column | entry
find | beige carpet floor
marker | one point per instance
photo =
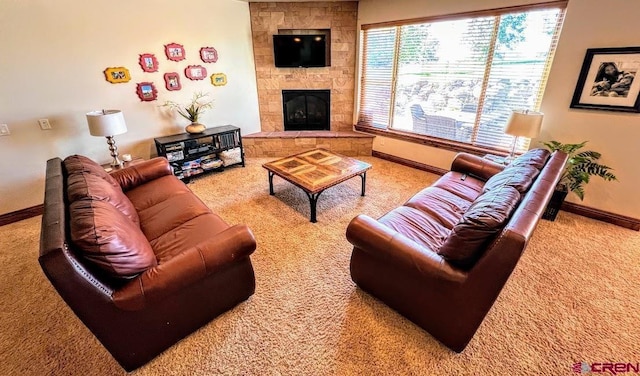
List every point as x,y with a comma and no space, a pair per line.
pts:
574,297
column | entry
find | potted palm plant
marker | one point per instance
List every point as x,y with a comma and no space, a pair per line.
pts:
192,111
581,165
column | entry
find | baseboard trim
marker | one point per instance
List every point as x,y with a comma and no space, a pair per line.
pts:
409,163
585,211
21,214
601,215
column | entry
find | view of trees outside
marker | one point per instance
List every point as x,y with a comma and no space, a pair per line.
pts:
441,70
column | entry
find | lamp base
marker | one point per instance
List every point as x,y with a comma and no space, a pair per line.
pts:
114,152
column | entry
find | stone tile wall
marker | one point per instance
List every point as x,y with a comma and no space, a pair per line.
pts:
341,18
282,147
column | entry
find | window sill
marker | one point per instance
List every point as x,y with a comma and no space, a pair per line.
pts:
431,141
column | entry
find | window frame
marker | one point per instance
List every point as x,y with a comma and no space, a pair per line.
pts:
434,141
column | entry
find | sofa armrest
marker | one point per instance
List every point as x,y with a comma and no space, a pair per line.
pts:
143,172
475,166
371,236
190,266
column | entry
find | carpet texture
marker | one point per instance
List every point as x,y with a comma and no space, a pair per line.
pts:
573,297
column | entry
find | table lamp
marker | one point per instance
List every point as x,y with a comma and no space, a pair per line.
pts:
107,123
523,123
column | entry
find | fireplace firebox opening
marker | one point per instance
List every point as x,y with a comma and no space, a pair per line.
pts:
306,110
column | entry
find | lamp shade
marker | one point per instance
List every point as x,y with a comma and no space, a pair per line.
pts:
524,123
106,123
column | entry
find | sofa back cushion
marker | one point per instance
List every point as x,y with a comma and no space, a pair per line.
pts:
518,177
484,219
535,157
108,239
85,185
81,164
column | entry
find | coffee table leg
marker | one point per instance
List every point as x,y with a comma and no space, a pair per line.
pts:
271,192
364,182
313,202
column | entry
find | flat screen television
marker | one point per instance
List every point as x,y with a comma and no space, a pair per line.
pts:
300,51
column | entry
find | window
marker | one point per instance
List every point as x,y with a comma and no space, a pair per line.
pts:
458,78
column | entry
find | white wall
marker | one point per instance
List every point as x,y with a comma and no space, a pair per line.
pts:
615,135
52,62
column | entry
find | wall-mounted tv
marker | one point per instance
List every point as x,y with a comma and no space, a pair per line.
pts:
293,51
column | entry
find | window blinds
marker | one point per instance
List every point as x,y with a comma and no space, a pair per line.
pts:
458,79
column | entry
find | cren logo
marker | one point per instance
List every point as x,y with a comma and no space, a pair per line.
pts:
612,368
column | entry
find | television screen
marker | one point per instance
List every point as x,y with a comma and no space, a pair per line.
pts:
300,50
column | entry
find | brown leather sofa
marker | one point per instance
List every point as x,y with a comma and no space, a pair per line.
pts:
137,256
443,257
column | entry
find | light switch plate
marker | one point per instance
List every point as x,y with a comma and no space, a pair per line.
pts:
4,130
44,124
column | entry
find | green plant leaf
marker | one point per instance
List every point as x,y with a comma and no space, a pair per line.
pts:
581,165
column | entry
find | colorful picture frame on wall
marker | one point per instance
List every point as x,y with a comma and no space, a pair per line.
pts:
208,54
147,91
608,80
174,51
172,81
218,79
117,75
148,62
195,72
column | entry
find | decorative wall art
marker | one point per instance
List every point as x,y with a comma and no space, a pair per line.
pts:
608,81
174,51
147,91
195,72
172,81
149,63
208,54
218,79
117,75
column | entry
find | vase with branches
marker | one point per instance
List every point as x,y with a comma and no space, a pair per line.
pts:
192,111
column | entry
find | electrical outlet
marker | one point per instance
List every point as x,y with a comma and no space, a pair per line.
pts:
4,130
44,124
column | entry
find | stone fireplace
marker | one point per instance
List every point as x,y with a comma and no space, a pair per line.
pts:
338,20
306,110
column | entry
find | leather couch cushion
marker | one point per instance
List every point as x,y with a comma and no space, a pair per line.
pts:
417,226
444,206
81,164
518,177
86,185
108,239
534,157
151,193
478,226
461,185
191,233
170,213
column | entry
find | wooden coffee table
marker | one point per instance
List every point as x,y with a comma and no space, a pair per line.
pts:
316,170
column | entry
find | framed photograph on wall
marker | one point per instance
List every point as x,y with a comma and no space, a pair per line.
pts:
218,79
117,75
195,72
174,51
147,91
608,80
208,54
172,81
148,62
